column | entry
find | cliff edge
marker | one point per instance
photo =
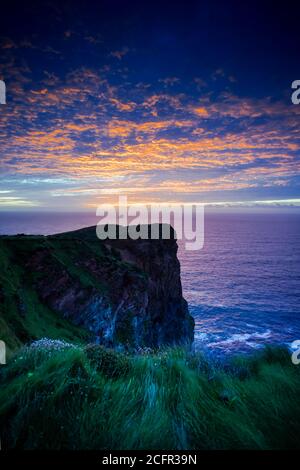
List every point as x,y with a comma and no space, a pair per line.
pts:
124,293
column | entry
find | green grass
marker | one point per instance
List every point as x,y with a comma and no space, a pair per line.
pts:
67,254
23,317
94,398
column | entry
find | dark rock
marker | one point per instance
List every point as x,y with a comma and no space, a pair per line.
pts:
127,293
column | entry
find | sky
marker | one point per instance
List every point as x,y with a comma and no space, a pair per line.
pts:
159,101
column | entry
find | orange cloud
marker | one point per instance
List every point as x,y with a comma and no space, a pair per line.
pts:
200,111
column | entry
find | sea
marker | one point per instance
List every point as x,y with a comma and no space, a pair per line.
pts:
242,287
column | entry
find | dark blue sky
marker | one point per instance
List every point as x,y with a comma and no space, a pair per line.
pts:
163,101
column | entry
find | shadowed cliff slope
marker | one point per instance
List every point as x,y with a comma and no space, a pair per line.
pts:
120,293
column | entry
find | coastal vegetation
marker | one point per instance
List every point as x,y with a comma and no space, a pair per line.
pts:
58,395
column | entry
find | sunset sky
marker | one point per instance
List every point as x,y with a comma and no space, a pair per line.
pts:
162,102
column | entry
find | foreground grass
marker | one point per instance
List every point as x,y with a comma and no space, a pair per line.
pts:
92,398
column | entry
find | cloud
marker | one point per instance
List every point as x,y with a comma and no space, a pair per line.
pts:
200,83
169,81
7,43
118,128
119,54
17,202
95,39
200,111
85,128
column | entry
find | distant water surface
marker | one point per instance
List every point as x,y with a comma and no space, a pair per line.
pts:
243,287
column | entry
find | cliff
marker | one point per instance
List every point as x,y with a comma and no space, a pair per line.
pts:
119,293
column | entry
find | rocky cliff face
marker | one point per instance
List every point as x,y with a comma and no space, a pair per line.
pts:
126,293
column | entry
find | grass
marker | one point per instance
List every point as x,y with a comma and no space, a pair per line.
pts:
93,398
